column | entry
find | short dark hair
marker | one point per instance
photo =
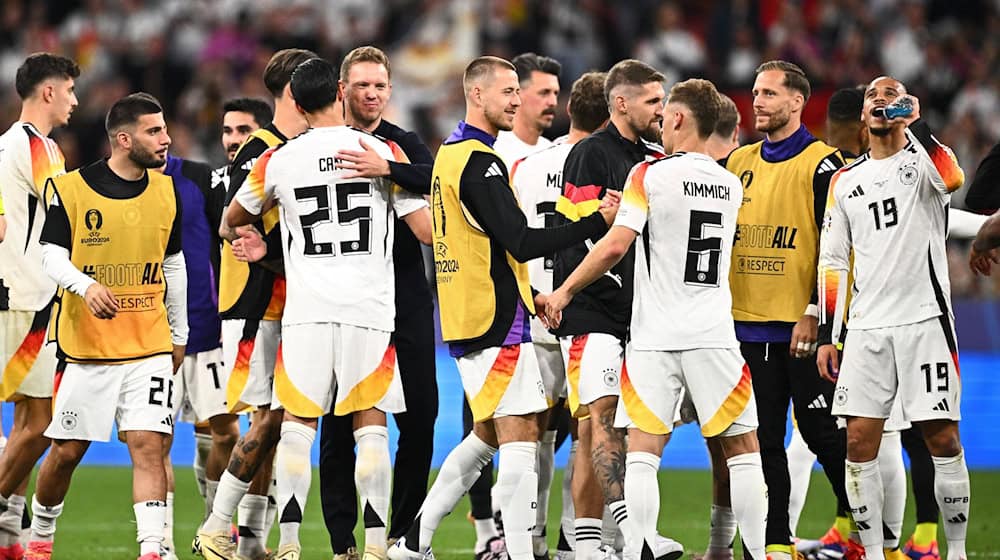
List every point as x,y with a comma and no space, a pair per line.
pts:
127,110
278,72
314,84
795,78
39,67
630,72
526,63
480,67
701,97
729,116
845,105
587,107
261,111
367,53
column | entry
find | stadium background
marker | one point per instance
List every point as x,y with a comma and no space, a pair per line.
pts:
193,54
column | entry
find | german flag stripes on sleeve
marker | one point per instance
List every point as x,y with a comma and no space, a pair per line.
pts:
256,191
946,175
635,204
834,264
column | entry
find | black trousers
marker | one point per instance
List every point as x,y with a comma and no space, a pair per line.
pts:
921,475
778,377
414,339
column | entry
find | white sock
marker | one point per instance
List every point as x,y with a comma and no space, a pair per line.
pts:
211,488
722,531
293,470
951,488
486,529
253,540
568,514
890,462
642,494
620,513
228,495
866,496
10,519
588,537
202,447
546,469
150,518
748,494
272,505
168,522
458,473
373,478
800,464
43,522
609,528
516,490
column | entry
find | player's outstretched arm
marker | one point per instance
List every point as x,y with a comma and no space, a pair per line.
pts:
237,215
606,253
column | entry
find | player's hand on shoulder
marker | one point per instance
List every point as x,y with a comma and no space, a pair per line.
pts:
804,336
365,162
249,246
101,301
828,362
981,262
609,205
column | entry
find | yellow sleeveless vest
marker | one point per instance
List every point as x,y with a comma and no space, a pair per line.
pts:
121,244
773,271
234,274
466,290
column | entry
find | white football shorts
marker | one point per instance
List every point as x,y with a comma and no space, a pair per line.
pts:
593,369
200,387
29,364
249,351
320,361
717,380
914,364
502,381
90,398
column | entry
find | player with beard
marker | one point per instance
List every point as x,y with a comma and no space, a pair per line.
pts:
595,323
45,84
785,179
481,241
890,208
116,332
539,80
240,118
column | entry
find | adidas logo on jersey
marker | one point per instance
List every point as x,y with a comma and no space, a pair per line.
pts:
249,164
818,402
942,406
493,171
827,166
858,191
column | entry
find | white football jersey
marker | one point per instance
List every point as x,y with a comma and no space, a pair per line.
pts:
537,180
337,233
684,209
27,160
893,213
511,148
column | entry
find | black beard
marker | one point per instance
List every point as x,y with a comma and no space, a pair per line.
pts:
880,132
147,160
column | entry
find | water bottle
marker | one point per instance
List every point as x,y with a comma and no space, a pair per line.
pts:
902,107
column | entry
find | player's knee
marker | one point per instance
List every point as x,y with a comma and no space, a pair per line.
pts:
66,455
943,441
226,440
860,446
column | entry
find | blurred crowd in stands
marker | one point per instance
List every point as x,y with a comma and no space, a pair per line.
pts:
193,54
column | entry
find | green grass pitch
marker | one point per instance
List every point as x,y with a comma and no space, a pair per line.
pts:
97,522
